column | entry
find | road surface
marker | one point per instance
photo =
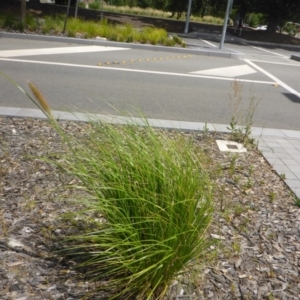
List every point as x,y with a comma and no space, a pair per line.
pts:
162,85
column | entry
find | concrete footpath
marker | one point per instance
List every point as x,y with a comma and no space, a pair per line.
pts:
281,148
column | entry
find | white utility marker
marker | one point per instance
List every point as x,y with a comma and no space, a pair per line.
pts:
234,71
230,146
59,50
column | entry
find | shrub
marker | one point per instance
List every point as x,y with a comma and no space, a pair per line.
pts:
290,29
81,4
142,182
95,5
254,19
155,196
31,23
8,21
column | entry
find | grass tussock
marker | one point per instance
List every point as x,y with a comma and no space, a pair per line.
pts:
149,208
155,196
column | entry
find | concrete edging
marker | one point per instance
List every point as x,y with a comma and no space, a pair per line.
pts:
295,57
103,42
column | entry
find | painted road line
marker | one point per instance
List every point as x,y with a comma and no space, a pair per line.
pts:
275,63
130,70
234,71
208,43
59,50
278,81
270,51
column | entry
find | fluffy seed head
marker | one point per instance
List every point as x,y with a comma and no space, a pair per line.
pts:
43,103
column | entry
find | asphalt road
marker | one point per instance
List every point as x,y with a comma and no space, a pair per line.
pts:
162,85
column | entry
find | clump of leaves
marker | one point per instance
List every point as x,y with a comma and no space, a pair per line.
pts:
155,196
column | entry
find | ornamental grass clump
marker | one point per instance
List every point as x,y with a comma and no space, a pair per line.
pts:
150,206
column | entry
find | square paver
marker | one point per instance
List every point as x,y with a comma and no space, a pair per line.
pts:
290,175
268,132
290,162
295,169
268,155
296,157
291,133
281,168
297,192
293,183
293,151
281,150
272,144
285,156
272,161
297,174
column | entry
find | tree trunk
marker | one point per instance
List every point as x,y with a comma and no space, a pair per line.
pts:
23,11
272,24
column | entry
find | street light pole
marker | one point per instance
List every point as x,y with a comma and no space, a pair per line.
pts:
186,29
67,15
76,8
229,5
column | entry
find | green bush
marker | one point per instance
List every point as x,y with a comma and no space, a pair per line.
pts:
290,29
31,23
155,196
149,208
81,4
91,29
8,21
254,19
95,5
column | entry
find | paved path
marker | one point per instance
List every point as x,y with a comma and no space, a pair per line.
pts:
281,148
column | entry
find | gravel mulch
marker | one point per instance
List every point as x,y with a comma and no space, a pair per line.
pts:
256,223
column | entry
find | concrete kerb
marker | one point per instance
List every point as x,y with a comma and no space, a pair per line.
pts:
295,57
102,42
283,46
158,123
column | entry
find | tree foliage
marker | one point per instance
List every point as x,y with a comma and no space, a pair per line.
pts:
276,12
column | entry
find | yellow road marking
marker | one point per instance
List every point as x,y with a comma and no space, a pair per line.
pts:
141,60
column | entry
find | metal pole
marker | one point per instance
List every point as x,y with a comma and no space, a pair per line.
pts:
67,15
102,10
23,11
186,29
229,5
76,8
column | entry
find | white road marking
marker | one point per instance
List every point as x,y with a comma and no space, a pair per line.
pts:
232,72
59,50
269,51
131,70
285,86
275,63
208,43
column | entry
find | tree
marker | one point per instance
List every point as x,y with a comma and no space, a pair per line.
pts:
277,12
